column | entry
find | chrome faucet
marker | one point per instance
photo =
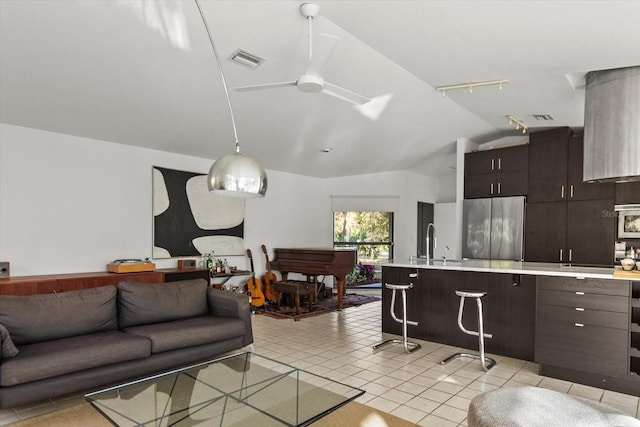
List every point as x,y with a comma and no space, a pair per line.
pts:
434,239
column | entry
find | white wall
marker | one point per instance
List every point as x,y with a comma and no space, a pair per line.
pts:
71,204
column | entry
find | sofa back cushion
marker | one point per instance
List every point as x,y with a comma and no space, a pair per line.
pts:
144,303
36,318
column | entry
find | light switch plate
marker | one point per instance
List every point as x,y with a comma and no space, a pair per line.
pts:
4,270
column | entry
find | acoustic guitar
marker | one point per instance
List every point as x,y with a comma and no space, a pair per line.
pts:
254,286
268,278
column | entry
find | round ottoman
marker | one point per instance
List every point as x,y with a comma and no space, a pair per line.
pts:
534,406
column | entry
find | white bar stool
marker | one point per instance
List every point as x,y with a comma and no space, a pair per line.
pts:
486,362
408,345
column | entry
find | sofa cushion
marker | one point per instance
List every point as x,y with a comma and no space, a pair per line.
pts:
189,332
35,318
52,358
7,348
142,304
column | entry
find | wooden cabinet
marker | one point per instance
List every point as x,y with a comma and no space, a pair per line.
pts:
582,325
31,285
548,162
577,188
578,232
627,193
173,275
591,232
509,309
634,348
567,220
496,173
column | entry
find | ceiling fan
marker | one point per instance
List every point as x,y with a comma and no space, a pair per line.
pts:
312,81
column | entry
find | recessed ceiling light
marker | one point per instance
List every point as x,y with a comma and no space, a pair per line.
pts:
326,150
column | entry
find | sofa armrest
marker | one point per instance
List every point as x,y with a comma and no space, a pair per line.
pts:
7,349
230,304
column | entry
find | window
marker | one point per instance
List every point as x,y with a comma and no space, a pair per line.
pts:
371,233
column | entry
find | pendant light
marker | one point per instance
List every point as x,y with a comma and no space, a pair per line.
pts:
234,175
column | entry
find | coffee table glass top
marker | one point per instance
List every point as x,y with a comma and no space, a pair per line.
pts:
240,390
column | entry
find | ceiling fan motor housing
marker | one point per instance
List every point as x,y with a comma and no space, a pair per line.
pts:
310,83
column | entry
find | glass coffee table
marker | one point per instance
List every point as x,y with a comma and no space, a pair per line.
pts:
239,390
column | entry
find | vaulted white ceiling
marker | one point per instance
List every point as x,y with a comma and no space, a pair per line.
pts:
142,72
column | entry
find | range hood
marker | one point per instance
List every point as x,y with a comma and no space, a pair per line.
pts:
612,125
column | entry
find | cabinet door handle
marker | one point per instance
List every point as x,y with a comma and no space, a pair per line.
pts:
579,325
579,309
492,164
579,293
499,163
570,255
499,190
571,191
562,191
560,255
492,188
413,275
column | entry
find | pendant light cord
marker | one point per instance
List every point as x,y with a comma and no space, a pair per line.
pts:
224,81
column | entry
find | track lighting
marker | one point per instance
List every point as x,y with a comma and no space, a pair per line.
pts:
471,85
519,123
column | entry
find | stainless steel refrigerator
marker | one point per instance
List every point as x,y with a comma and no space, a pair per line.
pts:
493,228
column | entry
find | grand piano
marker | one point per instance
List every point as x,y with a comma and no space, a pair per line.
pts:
316,262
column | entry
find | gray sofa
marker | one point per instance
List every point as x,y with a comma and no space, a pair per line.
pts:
55,344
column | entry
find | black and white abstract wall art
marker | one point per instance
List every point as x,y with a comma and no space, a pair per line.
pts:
188,220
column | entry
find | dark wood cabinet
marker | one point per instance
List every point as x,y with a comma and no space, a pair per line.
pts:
497,160
580,325
634,348
496,173
567,220
627,193
577,188
578,232
174,275
590,232
546,232
548,162
508,309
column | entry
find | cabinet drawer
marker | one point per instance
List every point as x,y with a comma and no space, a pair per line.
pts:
590,349
608,319
586,301
590,286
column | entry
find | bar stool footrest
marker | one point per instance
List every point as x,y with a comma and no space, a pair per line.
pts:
488,362
409,346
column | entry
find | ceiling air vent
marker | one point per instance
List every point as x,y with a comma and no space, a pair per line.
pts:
542,116
246,59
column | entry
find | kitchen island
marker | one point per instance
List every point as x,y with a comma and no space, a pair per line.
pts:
580,324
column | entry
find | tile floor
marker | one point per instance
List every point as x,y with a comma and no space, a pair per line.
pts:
411,386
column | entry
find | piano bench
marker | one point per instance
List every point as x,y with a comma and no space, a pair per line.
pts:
295,288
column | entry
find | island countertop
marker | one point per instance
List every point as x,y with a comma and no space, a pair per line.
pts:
518,267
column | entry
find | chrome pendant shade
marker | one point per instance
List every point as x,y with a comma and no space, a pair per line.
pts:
233,175
236,175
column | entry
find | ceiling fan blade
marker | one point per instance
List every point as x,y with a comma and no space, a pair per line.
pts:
374,108
320,56
344,94
265,86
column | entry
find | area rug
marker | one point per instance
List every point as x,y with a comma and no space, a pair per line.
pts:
351,415
325,305
372,285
